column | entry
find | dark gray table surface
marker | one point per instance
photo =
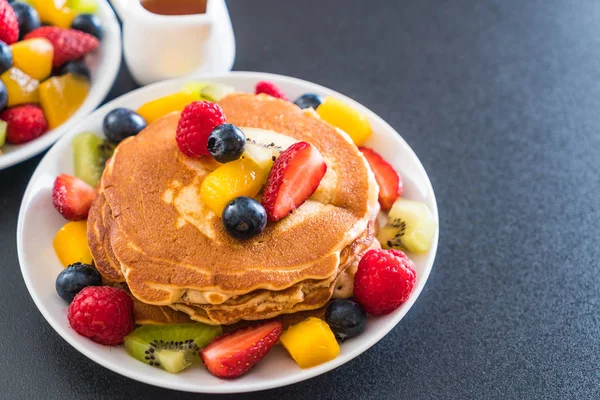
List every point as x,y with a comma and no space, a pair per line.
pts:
501,101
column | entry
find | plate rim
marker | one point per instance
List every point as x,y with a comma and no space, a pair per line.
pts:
105,82
302,375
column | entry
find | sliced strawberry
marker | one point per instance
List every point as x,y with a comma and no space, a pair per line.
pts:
294,177
9,25
72,197
389,181
69,44
234,354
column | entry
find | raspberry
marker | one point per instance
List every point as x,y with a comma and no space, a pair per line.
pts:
24,123
197,121
103,314
271,89
384,280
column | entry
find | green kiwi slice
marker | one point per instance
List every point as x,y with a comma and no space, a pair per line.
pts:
90,153
411,226
215,91
170,347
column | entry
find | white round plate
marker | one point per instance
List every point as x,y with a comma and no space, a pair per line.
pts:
39,222
104,66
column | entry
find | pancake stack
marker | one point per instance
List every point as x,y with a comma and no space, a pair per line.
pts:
149,230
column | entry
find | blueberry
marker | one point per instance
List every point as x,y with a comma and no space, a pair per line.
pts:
346,318
75,67
226,143
121,123
6,58
309,100
89,23
27,16
3,96
74,278
244,218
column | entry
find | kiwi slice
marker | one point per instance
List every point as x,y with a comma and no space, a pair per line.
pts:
263,146
410,227
2,133
215,91
170,347
90,153
194,89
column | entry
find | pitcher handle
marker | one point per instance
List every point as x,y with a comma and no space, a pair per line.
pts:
120,7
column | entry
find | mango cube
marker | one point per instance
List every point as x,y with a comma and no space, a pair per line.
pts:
346,118
34,57
153,110
310,342
61,96
71,245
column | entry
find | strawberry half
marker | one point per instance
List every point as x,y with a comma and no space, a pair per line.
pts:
389,181
69,44
294,177
234,354
9,26
72,197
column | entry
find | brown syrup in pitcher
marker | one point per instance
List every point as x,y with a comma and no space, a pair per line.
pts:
175,7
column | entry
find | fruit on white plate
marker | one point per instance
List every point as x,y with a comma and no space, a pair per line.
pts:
170,347
215,91
264,146
90,153
310,342
411,226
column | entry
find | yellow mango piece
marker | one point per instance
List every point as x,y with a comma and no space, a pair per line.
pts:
310,342
54,12
341,115
153,110
34,57
21,88
71,245
61,96
241,177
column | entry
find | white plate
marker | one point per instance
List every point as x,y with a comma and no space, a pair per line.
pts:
39,222
104,66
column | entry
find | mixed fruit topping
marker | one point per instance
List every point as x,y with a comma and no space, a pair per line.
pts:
261,177
43,75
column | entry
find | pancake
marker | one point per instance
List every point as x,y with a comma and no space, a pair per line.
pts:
262,304
149,228
271,304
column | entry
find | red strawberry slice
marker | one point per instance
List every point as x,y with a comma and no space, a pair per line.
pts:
72,197
294,177
234,354
389,181
271,89
9,26
69,44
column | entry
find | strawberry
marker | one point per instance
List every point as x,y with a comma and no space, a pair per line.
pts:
9,26
24,123
271,89
294,177
234,354
69,44
72,197
389,181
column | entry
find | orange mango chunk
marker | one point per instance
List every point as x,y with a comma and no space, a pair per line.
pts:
61,96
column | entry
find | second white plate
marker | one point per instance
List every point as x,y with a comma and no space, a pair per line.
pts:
104,66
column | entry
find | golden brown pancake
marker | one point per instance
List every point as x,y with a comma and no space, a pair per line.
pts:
150,228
